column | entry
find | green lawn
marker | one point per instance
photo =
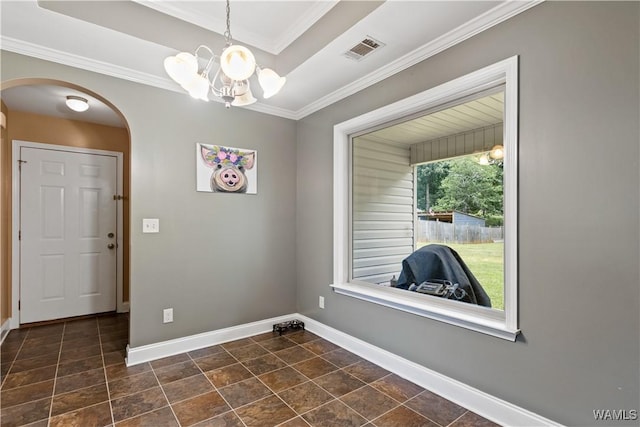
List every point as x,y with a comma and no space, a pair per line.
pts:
485,260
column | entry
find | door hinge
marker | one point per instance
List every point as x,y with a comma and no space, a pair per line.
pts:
118,197
19,234
20,162
19,304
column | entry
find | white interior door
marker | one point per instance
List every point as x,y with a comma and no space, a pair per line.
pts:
68,219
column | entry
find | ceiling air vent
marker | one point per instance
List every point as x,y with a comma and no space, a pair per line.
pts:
363,48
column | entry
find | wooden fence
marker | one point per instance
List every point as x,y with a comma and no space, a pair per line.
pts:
445,232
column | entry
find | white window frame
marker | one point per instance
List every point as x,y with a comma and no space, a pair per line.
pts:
501,324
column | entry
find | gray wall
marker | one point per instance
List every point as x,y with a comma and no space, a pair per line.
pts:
578,216
220,259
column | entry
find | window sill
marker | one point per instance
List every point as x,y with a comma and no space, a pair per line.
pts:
475,318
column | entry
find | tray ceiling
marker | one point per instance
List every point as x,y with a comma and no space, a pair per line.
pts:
304,40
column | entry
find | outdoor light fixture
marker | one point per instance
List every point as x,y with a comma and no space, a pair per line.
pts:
231,80
497,152
77,103
495,155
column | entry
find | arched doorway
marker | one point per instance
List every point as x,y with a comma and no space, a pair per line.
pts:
35,111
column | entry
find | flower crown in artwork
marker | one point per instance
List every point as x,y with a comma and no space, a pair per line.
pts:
226,156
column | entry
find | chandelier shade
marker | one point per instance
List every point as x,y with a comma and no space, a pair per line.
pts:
238,62
270,82
231,81
244,100
198,87
243,96
181,67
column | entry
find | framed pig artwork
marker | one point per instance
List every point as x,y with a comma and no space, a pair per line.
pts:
221,169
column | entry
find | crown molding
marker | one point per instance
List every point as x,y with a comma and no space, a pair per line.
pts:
82,62
301,25
273,110
493,17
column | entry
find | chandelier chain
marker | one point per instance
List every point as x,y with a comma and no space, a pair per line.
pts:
227,33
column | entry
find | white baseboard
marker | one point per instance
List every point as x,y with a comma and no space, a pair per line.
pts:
490,407
162,349
4,330
124,307
485,405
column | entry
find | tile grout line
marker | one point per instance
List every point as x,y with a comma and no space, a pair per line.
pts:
289,365
428,418
29,384
274,392
238,361
456,420
424,416
162,386
398,404
55,376
4,378
403,404
338,398
163,393
104,371
215,388
152,370
311,380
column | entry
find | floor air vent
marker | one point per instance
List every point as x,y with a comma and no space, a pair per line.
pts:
363,48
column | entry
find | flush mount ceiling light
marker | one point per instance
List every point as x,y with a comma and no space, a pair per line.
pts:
231,80
77,103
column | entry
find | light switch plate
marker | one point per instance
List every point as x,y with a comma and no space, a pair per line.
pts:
150,225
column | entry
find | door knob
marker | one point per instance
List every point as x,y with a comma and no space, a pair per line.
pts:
111,246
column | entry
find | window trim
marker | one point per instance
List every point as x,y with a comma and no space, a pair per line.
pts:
501,324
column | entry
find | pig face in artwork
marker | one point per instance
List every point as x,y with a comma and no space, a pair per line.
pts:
229,165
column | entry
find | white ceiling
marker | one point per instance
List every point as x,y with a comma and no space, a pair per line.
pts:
304,40
267,25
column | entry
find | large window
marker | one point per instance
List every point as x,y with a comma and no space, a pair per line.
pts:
417,194
425,203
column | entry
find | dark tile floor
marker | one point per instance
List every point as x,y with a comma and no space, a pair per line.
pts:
73,374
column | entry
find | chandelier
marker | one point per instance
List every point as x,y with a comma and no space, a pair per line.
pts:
231,80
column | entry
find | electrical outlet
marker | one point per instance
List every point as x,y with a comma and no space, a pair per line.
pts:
167,315
321,302
150,225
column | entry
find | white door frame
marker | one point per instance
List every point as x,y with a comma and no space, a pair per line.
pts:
15,221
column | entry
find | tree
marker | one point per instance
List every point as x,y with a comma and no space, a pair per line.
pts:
429,179
472,188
